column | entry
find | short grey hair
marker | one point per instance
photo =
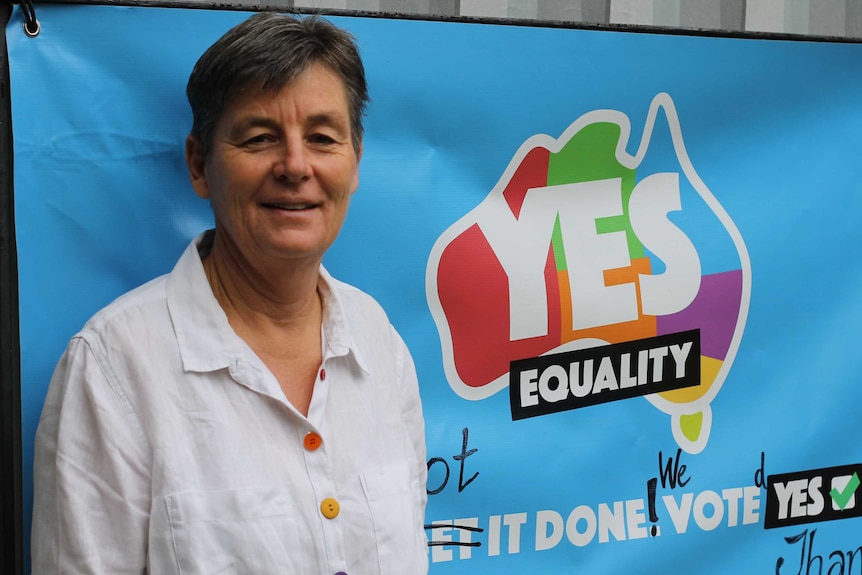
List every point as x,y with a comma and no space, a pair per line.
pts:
265,53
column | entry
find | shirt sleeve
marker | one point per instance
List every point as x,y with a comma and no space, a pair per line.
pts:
91,477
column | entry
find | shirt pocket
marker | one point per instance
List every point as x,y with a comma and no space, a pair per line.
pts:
392,495
239,531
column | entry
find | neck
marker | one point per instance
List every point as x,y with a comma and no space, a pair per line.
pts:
276,309
281,296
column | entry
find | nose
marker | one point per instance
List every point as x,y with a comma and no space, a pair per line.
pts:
292,166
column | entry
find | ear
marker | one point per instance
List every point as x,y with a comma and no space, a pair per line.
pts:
196,164
355,183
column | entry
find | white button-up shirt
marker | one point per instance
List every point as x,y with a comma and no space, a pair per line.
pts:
166,446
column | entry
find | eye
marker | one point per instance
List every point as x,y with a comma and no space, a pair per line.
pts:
321,139
259,139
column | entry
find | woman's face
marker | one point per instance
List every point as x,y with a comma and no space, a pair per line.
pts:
281,170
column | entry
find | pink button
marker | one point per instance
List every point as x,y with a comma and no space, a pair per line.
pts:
322,375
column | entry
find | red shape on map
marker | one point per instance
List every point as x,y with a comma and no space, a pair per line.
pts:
474,292
532,172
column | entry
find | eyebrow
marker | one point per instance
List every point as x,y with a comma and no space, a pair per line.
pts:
334,119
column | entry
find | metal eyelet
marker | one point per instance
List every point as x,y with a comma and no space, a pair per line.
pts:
32,31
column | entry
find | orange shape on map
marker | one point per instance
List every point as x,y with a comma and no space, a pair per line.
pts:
643,327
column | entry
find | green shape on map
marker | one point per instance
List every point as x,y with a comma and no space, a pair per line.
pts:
588,156
691,425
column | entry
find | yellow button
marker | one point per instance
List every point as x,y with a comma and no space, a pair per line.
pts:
330,508
312,441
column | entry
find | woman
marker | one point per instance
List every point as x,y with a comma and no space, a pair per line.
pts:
246,413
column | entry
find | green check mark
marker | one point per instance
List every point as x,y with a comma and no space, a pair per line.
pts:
842,498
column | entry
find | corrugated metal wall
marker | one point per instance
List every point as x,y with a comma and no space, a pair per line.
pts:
837,18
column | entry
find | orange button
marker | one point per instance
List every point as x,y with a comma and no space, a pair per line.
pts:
312,441
330,508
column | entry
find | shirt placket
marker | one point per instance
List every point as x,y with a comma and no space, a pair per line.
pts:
320,473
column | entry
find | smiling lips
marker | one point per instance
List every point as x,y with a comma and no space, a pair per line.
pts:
289,207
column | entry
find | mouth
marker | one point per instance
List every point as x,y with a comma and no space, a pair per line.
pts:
289,207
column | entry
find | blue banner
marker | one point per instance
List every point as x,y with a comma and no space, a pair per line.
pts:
625,263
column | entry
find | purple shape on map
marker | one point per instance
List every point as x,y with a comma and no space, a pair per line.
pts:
715,311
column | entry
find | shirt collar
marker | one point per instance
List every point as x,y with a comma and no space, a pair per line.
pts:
337,333
206,340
